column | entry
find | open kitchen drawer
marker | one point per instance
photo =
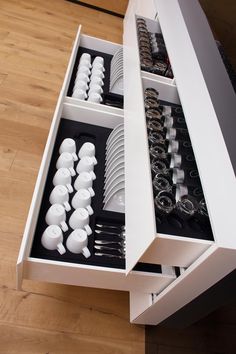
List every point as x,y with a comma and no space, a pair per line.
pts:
204,91
83,121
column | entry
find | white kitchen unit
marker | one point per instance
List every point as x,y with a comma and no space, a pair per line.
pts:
176,268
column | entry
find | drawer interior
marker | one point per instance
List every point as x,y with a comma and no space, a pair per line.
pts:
196,226
163,70
109,98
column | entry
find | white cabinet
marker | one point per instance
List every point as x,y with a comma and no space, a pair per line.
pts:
155,290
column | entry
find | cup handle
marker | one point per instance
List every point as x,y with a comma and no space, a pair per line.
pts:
75,157
70,188
86,252
64,226
94,160
91,191
61,249
90,209
88,229
72,171
67,206
92,175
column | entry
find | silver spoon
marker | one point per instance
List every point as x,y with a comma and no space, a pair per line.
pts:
120,234
106,242
109,255
106,248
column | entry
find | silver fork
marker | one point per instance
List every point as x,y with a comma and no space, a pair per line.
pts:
106,248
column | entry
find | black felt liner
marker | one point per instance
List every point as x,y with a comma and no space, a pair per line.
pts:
107,96
173,225
82,132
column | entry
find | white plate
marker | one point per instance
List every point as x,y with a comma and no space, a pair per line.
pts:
112,175
112,181
117,148
119,135
117,202
115,131
120,183
120,162
120,138
115,157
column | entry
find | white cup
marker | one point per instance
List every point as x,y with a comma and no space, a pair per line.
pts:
83,69
63,176
77,242
95,97
66,160
98,66
80,220
84,180
56,215
82,77
95,88
52,239
68,145
60,195
99,60
85,62
97,72
82,85
86,164
82,199
88,149
96,80
79,93
86,56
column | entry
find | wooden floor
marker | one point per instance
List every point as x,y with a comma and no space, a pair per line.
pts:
36,38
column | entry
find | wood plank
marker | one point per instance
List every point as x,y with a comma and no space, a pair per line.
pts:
36,39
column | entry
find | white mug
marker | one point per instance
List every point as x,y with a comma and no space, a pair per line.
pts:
79,93
56,215
85,62
84,180
88,149
60,195
97,72
77,242
98,66
82,85
82,77
82,199
52,239
83,69
95,88
94,97
99,60
66,160
63,176
86,56
86,164
80,219
68,145
96,80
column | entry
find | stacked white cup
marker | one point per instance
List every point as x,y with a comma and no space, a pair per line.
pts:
84,83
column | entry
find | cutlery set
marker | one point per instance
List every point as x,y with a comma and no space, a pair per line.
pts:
110,241
152,51
114,179
176,182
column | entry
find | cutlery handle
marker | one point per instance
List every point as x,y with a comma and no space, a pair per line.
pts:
107,242
107,232
118,227
106,248
108,255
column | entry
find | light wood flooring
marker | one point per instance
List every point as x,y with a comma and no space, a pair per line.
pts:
36,38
